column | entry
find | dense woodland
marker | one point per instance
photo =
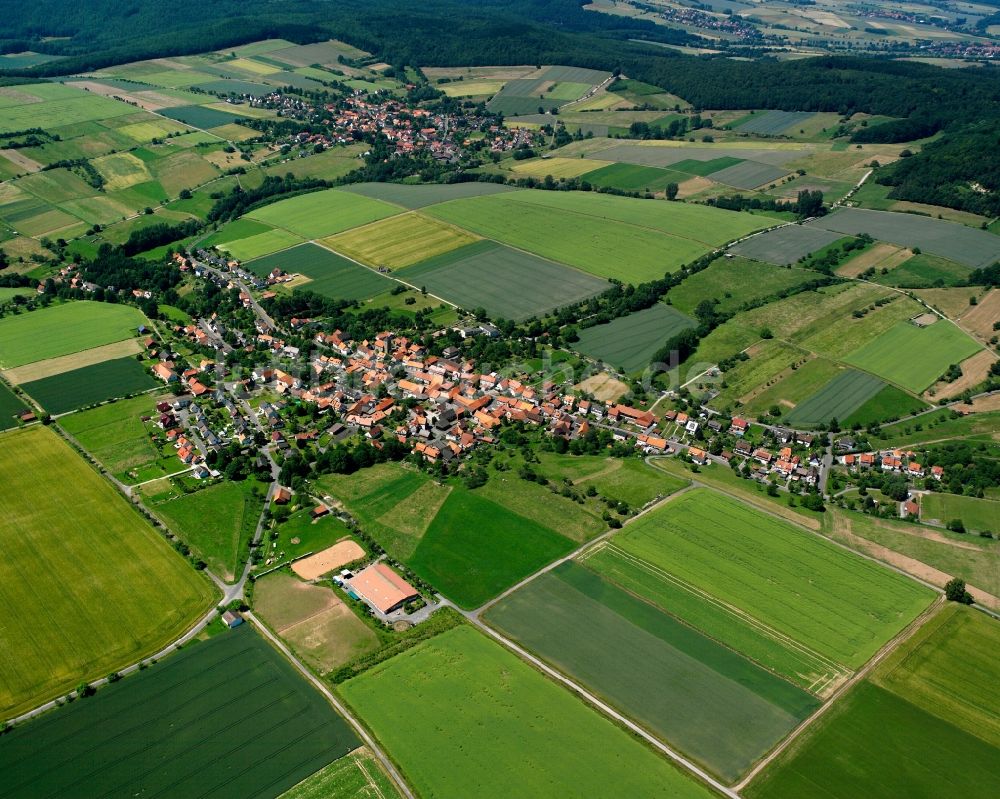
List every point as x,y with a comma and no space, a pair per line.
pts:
962,105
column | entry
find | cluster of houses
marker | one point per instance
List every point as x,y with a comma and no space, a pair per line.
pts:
896,461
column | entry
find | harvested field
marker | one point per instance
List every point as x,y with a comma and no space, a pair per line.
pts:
604,387
975,370
838,399
66,363
785,245
340,554
973,248
400,241
881,256
979,319
508,283
630,342
88,385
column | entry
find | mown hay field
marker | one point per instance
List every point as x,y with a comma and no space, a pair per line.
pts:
519,734
89,585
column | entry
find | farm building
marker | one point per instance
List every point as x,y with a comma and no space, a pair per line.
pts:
382,588
231,619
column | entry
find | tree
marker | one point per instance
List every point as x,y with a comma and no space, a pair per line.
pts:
672,189
955,591
956,526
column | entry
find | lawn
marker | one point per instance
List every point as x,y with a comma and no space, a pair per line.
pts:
507,283
399,241
10,407
914,357
518,733
939,707
323,213
76,604
836,603
712,703
216,522
630,342
839,398
355,776
978,515
329,274
734,282
233,693
89,385
64,329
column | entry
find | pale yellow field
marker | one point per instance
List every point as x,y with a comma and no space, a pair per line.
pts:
881,256
121,170
472,88
558,167
399,240
76,360
602,101
254,67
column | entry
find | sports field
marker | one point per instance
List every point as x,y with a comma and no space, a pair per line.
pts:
399,241
508,283
413,197
940,710
323,213
837,604
837,399
978,515
76,605
914,357
89,385
786,244
355,776
231,694
63,329
216,522
629,342
518,733
713,704
10,406
328,273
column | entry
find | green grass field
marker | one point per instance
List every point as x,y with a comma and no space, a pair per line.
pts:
935,694
633,177
629,342
64,329
323,213
216,522
355,776
701,696
939,425
978,515
399,241
260,244
924,271
76,604
232,693
837,399
10,406
90,384
419,196
628,480
329,274
889,403
734,282
517,732
508,283
914,357
839,605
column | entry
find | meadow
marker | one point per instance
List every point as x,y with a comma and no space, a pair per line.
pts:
628,480
217,522
839,398
399,241
260,245
64,329
978,515
914,357
88,385
713,704
231,693
889,403
323,213
78,605
508,283
786,245
518,733
942,711
329,274
631,177
836,603
10,406
734,282
354,776
413,197
925,271
630,342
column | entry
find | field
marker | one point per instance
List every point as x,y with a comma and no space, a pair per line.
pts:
630,342
63,329
216,522
508,283
323,213
400,241
942,711
733,282
328,273
317,625
89,385
748,175
232,693
557,167
774,123
10,406
837,399
261,244
978,515
844,607
709,701
199,116
77,605
414,197
518,733
914,357
924,271
628,480
59,105
786,244
889,403
355,776
974,248
632,177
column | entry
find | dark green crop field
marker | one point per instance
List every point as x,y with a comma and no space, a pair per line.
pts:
225,718
329,274
90,384
10,406
629,342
